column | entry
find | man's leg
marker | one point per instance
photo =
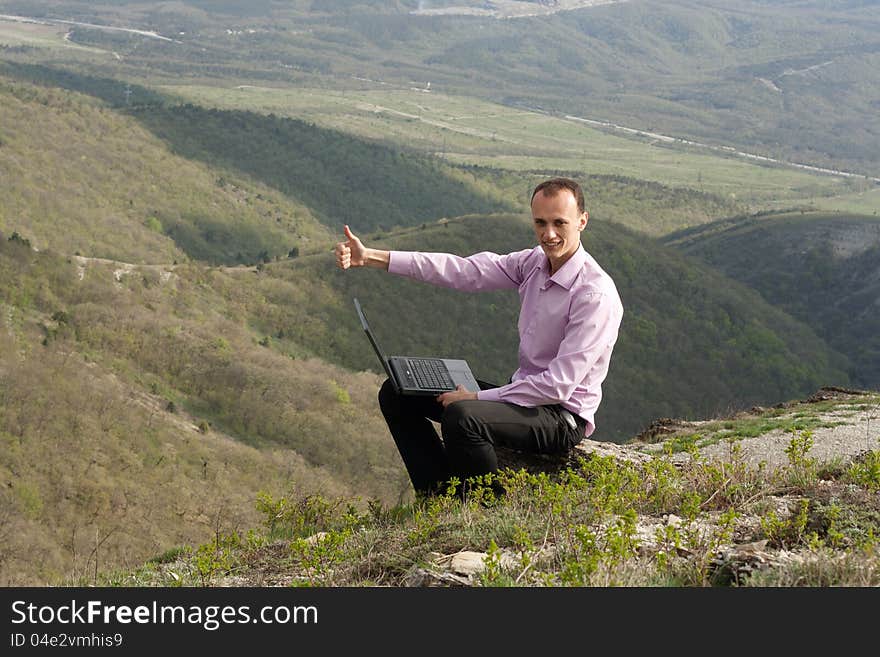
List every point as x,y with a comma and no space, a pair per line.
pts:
418,443
472,430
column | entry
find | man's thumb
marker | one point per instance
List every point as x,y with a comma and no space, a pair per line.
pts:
349,234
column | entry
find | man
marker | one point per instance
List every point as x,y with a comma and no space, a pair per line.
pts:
568,323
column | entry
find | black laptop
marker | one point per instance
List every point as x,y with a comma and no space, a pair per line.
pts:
421,376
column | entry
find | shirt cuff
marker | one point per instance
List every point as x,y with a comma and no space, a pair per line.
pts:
400,262
492,394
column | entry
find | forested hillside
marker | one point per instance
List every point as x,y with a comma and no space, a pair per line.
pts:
81,177
821,268
138,412
342,179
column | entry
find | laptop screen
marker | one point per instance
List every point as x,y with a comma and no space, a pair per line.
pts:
376,347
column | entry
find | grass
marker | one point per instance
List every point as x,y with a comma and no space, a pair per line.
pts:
601,522
15,33
716,432
785,418
859,202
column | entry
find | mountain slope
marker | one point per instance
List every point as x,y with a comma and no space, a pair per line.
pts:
138,412
81,177
821,268
643,515
342,179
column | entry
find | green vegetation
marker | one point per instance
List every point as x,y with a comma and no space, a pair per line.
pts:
151,390
141,413
343,180
98,184
738,73
821,268
603,522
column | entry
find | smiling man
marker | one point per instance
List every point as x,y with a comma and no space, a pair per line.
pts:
568,324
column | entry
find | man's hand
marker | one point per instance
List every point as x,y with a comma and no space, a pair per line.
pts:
459,394
351,253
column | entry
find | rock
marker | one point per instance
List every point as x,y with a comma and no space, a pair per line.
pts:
456,569
424,577
588,448
466,562
660,427
551,463
826,393
736,563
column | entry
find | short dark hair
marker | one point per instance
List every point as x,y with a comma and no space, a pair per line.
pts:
555,185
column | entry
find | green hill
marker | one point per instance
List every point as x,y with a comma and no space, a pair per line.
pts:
342,179
81,177
821,268
138,411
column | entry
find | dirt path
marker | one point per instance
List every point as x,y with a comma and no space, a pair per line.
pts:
120,269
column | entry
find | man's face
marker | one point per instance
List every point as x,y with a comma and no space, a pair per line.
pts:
558,225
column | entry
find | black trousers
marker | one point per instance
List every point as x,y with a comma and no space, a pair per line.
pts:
471,430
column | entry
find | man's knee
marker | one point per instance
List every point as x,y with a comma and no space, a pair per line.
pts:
387,395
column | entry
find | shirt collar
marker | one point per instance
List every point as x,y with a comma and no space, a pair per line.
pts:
570,270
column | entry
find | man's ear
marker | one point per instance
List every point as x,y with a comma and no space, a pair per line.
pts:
585,217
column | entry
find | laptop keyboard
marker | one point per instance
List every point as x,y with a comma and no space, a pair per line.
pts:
430,373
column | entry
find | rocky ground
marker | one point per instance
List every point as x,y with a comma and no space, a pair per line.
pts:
843,425
834,428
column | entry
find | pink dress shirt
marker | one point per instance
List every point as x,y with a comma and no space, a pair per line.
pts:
568,322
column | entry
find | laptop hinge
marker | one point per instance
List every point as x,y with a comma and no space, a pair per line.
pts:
401,379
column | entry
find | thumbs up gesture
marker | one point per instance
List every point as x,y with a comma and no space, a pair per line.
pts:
350,253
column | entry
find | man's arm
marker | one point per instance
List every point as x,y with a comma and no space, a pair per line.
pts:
353,253
481,271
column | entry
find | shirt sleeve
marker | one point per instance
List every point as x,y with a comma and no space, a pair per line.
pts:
583,356
479,272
